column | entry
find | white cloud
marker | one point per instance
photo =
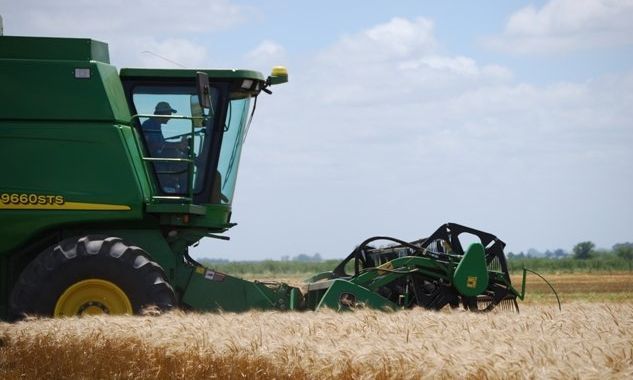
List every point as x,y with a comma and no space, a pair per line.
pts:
566,25
399,36
267,54
395,39
458,65
372,140
175,30
396,62
267,48
132,18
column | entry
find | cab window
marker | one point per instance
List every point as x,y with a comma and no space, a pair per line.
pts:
167,135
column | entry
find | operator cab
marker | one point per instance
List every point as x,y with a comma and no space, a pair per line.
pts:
192,125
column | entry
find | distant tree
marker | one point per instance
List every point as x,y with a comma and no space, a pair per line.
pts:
511,255
583,250
533,252
307,258
618,246
559,253
549,254
302,257
625,251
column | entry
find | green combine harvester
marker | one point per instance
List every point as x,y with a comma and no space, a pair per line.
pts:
110,176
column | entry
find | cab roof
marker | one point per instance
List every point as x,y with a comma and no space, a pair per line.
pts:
191,73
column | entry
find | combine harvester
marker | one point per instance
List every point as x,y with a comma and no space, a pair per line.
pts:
110,176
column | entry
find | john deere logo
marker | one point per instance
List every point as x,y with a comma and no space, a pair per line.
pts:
471,282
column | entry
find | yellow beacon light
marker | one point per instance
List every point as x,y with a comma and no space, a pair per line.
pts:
278,75
280,71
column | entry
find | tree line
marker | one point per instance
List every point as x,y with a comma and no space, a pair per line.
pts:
583,257
582,251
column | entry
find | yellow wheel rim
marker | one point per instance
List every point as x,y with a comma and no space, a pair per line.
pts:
92,297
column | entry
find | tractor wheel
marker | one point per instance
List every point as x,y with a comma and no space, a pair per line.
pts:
90,275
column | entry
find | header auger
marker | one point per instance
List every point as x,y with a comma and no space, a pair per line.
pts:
110,176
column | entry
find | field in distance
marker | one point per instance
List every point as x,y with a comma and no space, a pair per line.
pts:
583,286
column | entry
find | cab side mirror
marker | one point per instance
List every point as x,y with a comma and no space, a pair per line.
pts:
202,86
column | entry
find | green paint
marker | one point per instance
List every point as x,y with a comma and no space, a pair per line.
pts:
471,276
345,295
210,290
46,48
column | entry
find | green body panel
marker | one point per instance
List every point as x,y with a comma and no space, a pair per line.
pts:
46,48
210,290
99,98
343,294
74,142
78,161
131,142
471,276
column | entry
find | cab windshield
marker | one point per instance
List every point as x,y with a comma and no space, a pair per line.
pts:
235,129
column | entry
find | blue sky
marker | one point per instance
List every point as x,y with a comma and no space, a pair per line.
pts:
509,116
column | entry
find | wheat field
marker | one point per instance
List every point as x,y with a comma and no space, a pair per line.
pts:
585,340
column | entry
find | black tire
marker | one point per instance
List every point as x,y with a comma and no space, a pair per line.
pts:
74,260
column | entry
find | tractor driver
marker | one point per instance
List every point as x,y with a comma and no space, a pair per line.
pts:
172,176
152,130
